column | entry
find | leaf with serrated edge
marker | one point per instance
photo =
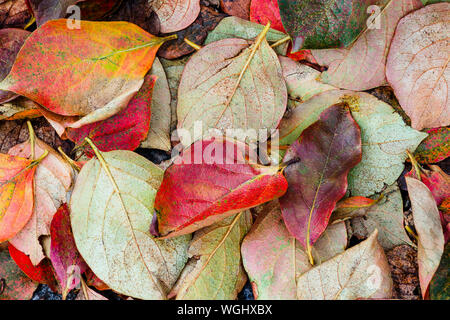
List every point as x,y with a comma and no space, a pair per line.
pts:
215,270
273,258
429,230
111,218
361,272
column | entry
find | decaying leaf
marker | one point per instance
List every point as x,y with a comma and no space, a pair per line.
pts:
176,15
75,76
111,211
429,231
274,259
209,182
14,13
237,8
362,65
361,272
418,66
215,270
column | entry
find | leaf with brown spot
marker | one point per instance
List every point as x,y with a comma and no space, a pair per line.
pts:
14,13
237,8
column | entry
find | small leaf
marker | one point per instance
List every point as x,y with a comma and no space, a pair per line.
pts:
326,151
352,207
361,272
435,148
176,15
215,270
201,189
418,66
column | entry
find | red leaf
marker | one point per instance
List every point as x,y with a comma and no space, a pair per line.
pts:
326,151
436,147
64,253
193,196
42,273
123,131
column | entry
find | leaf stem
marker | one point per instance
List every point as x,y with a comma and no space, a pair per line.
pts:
32,139
192,44
417,168
72,163
281,41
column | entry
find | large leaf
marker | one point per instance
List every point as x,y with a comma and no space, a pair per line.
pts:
218,90
385,137
176,15
361,272
111,211
429,229
387,217
436,147
11,40
320,24
209,182
66,260
215,270
274,259
68,72
418,66
325,153
362,65
124,130
52,181
15,285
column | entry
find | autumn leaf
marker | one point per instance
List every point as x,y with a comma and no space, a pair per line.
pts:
11,40
215,271
263,11
203,188
13,13
237,8
77,77
176,15
231,85
124,130
274,259
352,207
435,148
112,206
362,65
429,230
19,108
14,284
42,273
439,285
361,272
87,293
66,260
417,66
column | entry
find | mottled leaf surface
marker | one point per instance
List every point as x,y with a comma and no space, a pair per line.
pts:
439,285
175,15
436,147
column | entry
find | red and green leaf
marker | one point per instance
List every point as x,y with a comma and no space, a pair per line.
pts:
435,148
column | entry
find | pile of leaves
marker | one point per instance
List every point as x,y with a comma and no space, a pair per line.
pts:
355,205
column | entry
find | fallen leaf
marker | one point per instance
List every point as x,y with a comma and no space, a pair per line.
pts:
124,130
321,24
87,293
237,8
439,285
219,89
14,284
176,15
159,135
361,272
210,181
435,148
429,230
215,271
112,205
66,260
351,207
11,40
362,65
101,83
234,27
52,182
19,108
13,13
387,217
274,259
42,273
263,11
325,153
385,137
94,281
417,66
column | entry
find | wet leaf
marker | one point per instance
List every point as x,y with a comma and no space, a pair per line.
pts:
215,269
66,260
112,205
52,182
176,15
325,153
429,230
273,258
361,272
362,65
11,40
102,74
417,66
124,130
436,147
201,189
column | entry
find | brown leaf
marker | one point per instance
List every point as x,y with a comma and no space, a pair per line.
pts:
13,13
237,8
